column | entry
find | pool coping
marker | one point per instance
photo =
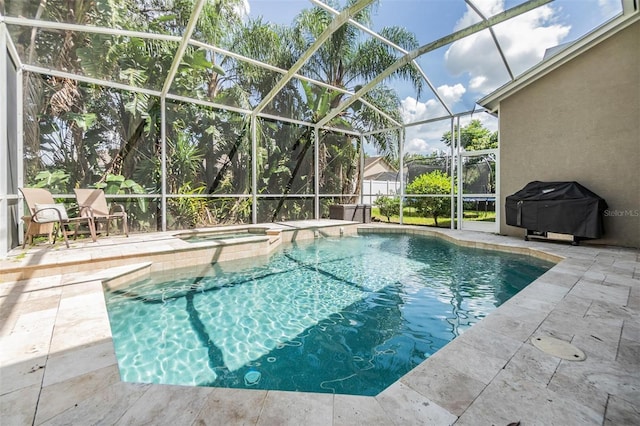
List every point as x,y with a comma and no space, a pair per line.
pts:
58,364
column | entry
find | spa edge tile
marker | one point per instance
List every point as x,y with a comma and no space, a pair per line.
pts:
559,278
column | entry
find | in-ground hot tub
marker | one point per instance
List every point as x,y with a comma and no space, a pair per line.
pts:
222,234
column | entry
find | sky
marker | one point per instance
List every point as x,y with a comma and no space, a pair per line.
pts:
470,68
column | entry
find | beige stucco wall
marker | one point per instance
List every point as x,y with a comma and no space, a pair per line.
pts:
581,122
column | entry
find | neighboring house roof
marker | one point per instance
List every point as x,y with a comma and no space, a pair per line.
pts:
371,161
559,55
384,176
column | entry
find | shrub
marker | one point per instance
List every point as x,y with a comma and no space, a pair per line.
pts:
435,182
389,206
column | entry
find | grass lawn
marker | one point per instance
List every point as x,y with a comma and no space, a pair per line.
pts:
411,217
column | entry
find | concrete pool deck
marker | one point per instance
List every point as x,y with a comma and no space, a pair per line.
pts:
58,366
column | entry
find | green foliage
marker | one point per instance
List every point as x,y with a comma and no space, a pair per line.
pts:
102,134
435,182
473,137
56,181
188,212
389,206
118,184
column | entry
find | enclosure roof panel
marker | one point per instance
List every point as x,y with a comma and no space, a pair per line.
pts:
375,63
558,57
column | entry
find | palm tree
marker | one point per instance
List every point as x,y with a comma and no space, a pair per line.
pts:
345,62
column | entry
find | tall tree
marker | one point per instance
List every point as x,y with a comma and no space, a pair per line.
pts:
473,137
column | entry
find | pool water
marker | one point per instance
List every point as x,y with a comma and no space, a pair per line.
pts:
347,315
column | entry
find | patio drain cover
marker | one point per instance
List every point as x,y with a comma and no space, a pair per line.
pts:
558,348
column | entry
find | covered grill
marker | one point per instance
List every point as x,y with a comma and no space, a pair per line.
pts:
556,207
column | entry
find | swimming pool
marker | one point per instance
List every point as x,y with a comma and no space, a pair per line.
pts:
346,315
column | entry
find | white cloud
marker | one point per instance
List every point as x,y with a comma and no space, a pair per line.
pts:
523,40
451,94
425,138
417,145
412,110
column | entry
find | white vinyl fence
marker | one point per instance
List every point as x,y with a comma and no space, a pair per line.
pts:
372,189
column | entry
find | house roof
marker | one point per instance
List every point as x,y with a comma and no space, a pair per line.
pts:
384,176
558,56
371,161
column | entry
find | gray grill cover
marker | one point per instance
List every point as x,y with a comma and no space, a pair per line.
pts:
561,207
